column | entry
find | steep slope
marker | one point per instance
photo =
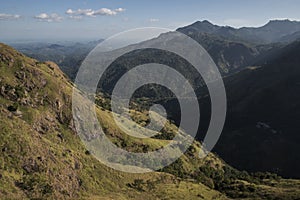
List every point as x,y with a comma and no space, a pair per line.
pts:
42,157
263,115
230,56
234,49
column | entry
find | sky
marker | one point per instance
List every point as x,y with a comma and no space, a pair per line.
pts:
94,19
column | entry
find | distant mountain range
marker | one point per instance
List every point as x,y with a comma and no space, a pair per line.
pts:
274,31
231,49
67,55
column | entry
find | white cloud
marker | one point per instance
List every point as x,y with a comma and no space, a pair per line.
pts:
153,20
105,11
69,11
93,13
49,17
4,16
75,17
120,10
87,12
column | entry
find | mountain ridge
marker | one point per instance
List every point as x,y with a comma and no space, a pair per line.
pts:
269,33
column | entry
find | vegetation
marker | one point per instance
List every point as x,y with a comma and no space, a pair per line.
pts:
42,157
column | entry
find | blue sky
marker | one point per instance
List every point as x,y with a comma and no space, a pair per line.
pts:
92,19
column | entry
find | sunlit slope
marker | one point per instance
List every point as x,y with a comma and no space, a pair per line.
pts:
41,155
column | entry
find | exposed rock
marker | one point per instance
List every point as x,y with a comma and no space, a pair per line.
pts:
20,75
53,66
77,165
60,136
49,118
11,62
43,126
58,104
43,82
18,113
31,166
2,91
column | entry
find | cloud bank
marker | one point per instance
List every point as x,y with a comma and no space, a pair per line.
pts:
44,17
4,16
93,13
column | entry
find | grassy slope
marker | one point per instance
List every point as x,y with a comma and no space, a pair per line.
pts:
41,156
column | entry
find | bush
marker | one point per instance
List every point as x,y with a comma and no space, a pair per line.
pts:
176,168
35,186
137,184
13,108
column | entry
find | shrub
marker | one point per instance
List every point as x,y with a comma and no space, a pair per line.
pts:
13,108
137,184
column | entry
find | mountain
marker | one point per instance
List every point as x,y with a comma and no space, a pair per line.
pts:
43,157
200,26
229,56
271,32
231,49
261,125
261,132
230,53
